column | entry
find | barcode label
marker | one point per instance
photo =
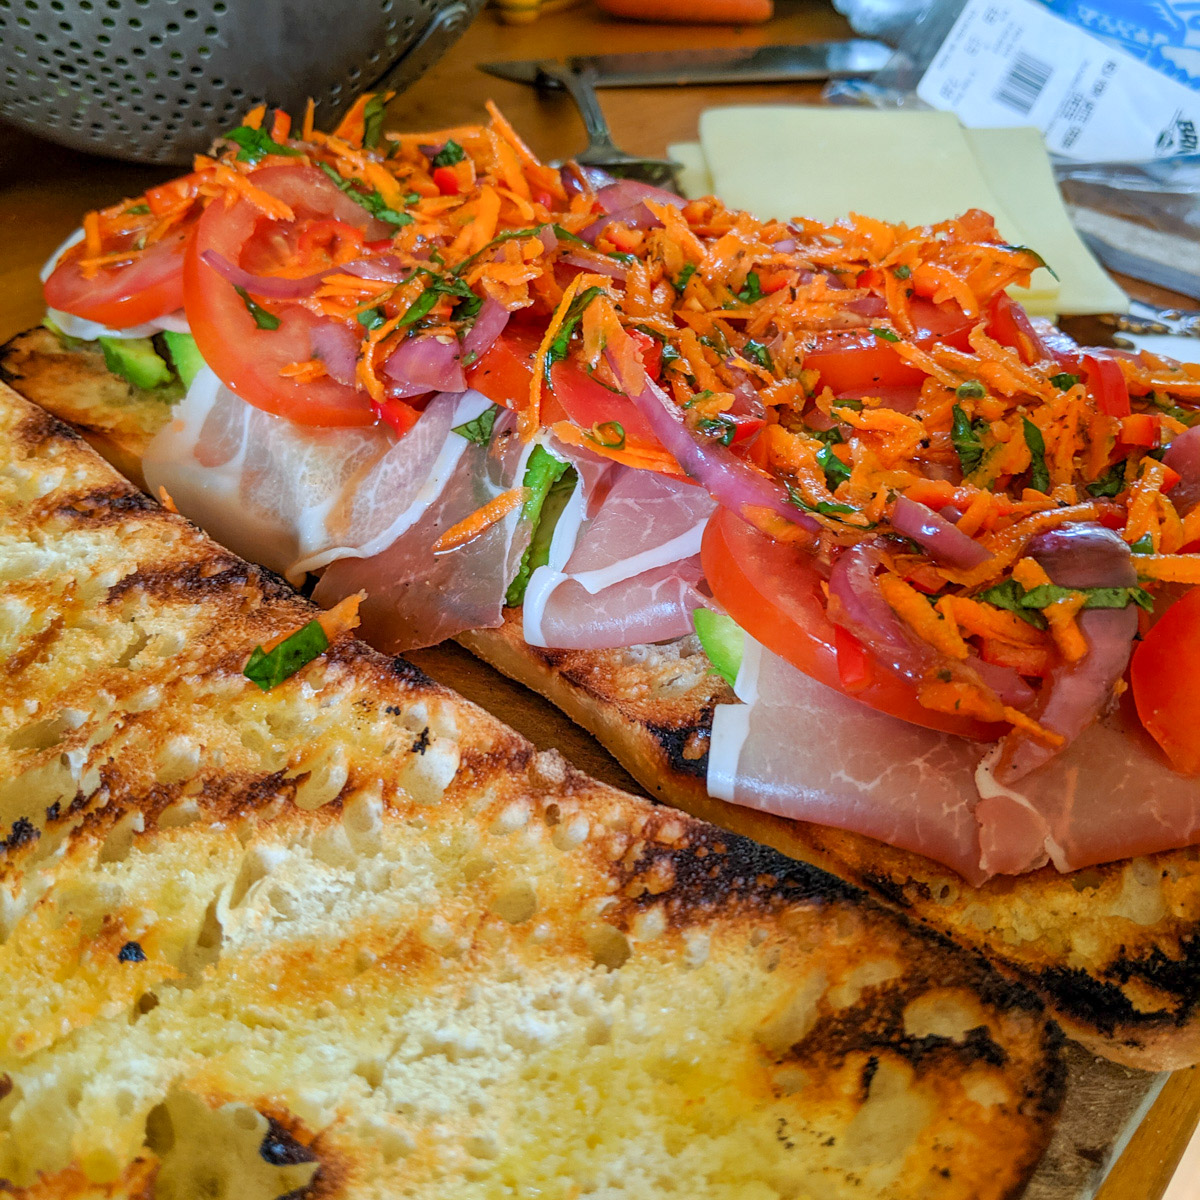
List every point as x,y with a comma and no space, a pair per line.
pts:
1023,84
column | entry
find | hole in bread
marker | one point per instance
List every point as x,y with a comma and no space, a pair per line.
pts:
609,947
119,841
516,902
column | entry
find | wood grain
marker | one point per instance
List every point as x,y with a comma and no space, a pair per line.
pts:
44,189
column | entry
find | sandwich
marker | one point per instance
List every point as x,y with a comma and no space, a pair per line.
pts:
820,534
283,917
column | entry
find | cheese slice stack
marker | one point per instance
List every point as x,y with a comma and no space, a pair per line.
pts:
916,167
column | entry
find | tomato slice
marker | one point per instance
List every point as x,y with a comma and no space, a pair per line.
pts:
774,593
149,286
1009,324
1165,674
503,373
249,359
857,362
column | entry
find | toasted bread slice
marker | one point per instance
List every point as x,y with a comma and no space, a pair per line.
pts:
354,937
1114,950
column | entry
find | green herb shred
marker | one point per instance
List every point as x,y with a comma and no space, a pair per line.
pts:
965,437
448,155
1039,476
373,120
255,144
369,199
888,335
267,668
479,429
262,318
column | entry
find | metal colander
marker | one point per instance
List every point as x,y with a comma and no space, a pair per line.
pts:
156,80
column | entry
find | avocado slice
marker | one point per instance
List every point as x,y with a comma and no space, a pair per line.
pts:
723,640
136,360
544,474
184,354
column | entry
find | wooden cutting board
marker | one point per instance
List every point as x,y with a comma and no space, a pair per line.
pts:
45,189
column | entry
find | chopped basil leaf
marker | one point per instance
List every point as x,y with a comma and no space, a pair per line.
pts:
689,269
1041,262
412,198
751,289
448,155
1110,483
1012,596
609,434
903,271
1007,595
469,357
373,120
830,437
255,144
971,390
824,507
370,199
1039,476
562,339
852,405
1064,381
965,436
721,428
137,210
440,285
479,429
420,307
887,334
509,234
270,667
371,318
262,318
835,470
620,256
723,641
1144,545
756,352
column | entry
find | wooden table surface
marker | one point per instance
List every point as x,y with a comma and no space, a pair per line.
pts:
44,189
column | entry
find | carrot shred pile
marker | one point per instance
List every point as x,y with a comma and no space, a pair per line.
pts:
990,426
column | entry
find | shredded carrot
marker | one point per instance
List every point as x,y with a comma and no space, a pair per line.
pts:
341,618
969,700
925,621
481,519
164,498
1064,628
1169,568
529,418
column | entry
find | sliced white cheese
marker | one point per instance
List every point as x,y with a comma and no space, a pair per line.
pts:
915,167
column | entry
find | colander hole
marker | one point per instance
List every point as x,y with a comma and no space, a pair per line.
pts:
173,27
135,22
203,51
190,14
177,56
173,73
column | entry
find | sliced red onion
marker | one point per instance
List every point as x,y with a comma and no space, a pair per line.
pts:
729,480
425,364
1008,685
1183,457
336,345
636,216
943,542
1074,694
857,604
489,325
746,400
623,194
597,263
577,178
387,268
548,238
785,246
274,287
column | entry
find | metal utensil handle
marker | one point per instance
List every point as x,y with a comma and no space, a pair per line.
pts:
580,84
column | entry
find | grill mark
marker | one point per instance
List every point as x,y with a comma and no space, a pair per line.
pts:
34,646
106,505
220,575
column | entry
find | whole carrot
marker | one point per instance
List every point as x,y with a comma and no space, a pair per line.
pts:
707,12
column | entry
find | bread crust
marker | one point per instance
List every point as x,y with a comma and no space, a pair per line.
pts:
355,937
1114,950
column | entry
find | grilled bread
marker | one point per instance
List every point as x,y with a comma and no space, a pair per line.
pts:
354,937
1113,950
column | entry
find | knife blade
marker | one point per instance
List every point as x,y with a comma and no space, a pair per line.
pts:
853,58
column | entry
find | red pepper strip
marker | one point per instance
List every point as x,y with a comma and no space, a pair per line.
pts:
1008,324
855,669
1139,429
446,179
1107,383
400,416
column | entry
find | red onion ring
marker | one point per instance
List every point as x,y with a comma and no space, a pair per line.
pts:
384,267
728,479
336,345
1079,555
942,541
425,363
1183,457
597,263
489,325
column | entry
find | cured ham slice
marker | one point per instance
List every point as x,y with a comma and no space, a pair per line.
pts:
651,607
801,750
625,575
260,484
416,597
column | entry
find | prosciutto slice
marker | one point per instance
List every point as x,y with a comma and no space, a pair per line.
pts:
416,597
626,574
801,750
260,484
